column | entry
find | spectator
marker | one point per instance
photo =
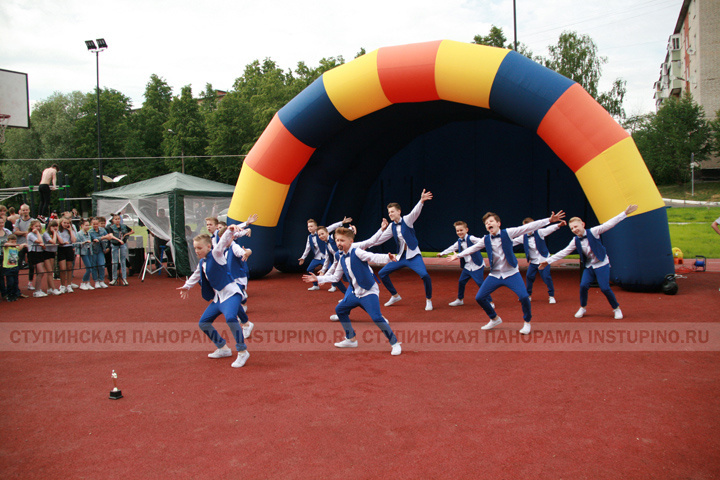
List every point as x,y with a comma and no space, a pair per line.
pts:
118,236
98,235
21,228
66,253
85,250
51,240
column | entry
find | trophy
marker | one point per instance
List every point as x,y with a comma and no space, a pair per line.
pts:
115,394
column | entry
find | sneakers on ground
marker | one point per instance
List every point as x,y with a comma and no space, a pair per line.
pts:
84,286
332,289
39,293
241,359
580,313
428,305
62,289
525,329
74,285
396,349
334,318
456,303
113,282
221,352
247,329
492,323
124,282
314,287
102,285
347,343
55,291
31,286
618,314
69,289
551,300
89,287
393,300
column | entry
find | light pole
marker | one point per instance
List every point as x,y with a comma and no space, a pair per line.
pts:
693,164
514,26
182,150
101,46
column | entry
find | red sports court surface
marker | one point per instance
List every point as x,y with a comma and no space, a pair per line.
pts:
591,398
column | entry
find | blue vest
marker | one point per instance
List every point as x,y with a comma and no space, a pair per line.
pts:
331,243
322,246
595,245
476,257
506,247
236,265
362,271
408,234
217,277
539,244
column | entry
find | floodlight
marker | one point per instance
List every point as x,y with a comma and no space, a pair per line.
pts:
101,43
90,44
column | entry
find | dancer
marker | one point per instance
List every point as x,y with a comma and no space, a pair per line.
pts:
536,251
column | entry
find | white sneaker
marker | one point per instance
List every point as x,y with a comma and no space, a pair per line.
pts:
89,287
55,292
63,289
428,305
221,352
31,286
241,359
396,349
69,289
551,300
84,286
332,289
97,285
393,300
40,293
74,285
347,344
314,287
247,329
456,303
618,314
525,329
580,313
334,318
492,323
102,285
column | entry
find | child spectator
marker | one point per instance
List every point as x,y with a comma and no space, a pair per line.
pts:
51,240
97,236
85,250
21,228
36,255
4,235
118,236
66,253
10,267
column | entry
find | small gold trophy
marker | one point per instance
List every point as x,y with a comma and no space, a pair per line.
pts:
115,394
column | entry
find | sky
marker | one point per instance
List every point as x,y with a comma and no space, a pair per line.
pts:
196,43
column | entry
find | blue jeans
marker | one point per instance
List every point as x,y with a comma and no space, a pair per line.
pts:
88,262
369,303
119,255
98,266
465,276
602,275
416,264
514,283
532,272
230,309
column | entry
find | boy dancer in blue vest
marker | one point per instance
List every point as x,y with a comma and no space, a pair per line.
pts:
363,291
318,247
536,252
503,265
236,257
472,266
594,256
221,291
408,252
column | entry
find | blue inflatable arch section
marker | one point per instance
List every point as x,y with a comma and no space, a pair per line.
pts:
300,163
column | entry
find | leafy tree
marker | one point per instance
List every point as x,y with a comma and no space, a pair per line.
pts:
185,134
715,126
496,38
669,138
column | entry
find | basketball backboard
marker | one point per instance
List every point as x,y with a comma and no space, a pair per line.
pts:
14,99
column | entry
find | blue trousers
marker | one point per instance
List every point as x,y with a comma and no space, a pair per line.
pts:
369,303
416,264
98,266
602,276
88,262
313,265
532,272
514,283
231,310
465,276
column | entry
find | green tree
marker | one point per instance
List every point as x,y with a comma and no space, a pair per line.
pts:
715,126
670,137
496,38
185,135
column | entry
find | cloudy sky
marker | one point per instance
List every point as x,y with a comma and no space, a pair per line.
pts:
195,43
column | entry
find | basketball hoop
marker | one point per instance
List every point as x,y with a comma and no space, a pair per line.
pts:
4,120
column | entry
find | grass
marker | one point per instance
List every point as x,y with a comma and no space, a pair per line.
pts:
690,231
704,191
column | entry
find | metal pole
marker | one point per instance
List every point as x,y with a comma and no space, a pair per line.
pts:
692,174
100,165
514,27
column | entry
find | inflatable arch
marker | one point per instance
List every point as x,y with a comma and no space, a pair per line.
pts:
600,153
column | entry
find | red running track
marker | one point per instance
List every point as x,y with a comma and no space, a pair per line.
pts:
483,410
